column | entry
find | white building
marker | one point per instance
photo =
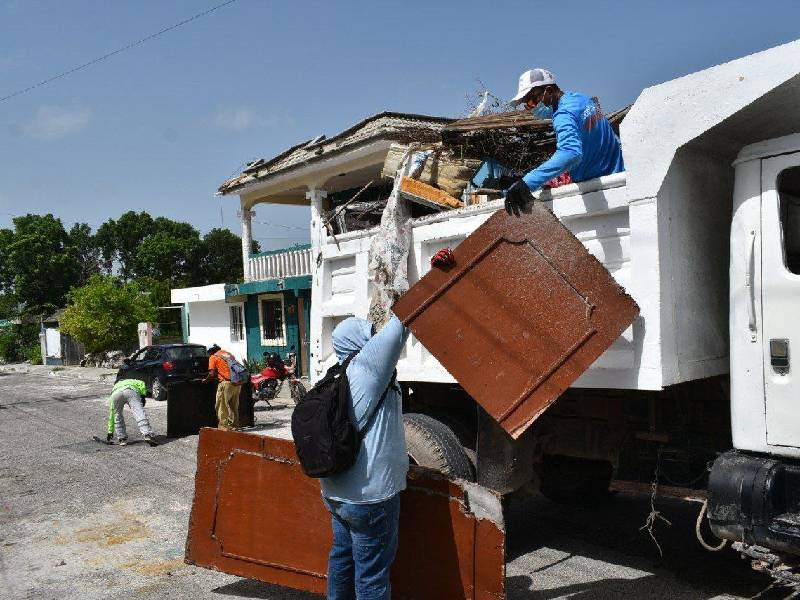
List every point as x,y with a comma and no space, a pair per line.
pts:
209,319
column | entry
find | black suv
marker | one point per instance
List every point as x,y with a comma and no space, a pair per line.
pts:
167,363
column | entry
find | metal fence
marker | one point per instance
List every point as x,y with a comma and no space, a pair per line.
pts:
72,351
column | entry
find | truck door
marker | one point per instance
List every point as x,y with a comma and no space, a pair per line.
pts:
780,296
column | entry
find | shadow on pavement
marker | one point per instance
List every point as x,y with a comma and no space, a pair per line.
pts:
277,424
250,588
610,532
265,408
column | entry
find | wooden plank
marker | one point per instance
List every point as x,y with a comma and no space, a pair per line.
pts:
427,195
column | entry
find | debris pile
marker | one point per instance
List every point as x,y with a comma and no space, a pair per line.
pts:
472,161
110,359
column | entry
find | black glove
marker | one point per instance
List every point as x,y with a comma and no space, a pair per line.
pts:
517,197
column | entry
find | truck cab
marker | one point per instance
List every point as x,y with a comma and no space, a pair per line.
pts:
755,488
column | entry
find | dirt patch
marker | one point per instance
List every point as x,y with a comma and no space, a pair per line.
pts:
110,535
154,569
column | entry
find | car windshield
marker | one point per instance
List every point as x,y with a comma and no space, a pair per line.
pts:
186,352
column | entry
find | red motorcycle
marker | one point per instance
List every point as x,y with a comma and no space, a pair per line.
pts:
268,384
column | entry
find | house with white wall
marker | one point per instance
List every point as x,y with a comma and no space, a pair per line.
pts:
268,312
209,319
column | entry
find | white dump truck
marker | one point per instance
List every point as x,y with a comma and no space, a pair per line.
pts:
703,231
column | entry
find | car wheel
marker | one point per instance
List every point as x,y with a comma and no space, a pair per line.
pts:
159,390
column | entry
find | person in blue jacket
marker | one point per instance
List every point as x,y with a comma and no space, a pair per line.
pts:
364,501
586,145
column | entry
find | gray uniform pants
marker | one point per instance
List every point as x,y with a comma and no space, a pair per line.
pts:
134,402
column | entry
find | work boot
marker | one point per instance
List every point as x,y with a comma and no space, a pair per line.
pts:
123,441
151,439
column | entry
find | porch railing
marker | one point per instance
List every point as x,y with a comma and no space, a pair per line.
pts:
292,263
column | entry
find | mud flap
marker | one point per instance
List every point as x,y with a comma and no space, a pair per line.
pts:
256,515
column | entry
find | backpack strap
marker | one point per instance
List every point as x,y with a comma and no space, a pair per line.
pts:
374,412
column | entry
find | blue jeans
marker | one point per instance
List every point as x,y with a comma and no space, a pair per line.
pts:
364,546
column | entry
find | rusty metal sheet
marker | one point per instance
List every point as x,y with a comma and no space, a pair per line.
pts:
521,315
256,515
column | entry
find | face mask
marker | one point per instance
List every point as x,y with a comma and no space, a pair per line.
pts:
542,111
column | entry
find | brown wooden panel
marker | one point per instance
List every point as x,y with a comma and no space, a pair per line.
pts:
521,315
256,515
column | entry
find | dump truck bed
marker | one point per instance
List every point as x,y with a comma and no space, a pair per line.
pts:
625,239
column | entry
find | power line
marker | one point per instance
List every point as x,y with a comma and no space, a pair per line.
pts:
268,224
117,51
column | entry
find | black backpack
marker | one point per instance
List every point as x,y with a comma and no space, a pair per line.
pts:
326,440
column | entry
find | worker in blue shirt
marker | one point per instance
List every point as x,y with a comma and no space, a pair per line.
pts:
586,145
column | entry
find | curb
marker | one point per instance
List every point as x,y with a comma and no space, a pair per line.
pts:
102,375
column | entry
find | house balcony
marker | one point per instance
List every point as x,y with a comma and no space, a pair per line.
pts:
295,262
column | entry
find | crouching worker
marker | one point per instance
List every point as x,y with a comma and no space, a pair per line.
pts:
132,393
364,500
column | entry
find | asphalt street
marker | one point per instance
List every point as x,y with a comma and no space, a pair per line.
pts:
79,519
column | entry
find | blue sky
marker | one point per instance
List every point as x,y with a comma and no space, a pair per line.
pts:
159,127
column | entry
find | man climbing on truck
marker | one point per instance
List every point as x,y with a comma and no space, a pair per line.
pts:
586,145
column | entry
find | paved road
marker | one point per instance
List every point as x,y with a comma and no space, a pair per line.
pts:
80,519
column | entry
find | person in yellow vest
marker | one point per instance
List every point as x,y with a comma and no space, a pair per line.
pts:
132,393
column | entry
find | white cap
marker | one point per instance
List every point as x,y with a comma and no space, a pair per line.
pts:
531,79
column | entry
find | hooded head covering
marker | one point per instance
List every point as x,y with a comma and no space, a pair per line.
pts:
350,336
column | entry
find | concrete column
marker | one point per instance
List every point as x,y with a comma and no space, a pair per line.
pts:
318,234
317,198
246,216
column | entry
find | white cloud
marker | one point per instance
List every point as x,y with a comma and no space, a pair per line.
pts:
239,119
52,122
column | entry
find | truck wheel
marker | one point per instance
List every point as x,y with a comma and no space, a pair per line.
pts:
159,390
433,444
570,480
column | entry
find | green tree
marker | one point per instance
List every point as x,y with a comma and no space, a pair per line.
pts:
168,257
44,264
119,241
20,342
158,290
6,274
8,300
104,313
86,250
221,258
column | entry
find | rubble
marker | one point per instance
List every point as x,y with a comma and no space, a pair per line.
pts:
109,359
444,169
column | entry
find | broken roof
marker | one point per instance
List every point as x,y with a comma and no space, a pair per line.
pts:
401,127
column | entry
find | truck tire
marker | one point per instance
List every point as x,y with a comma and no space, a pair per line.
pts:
433,444
570,480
